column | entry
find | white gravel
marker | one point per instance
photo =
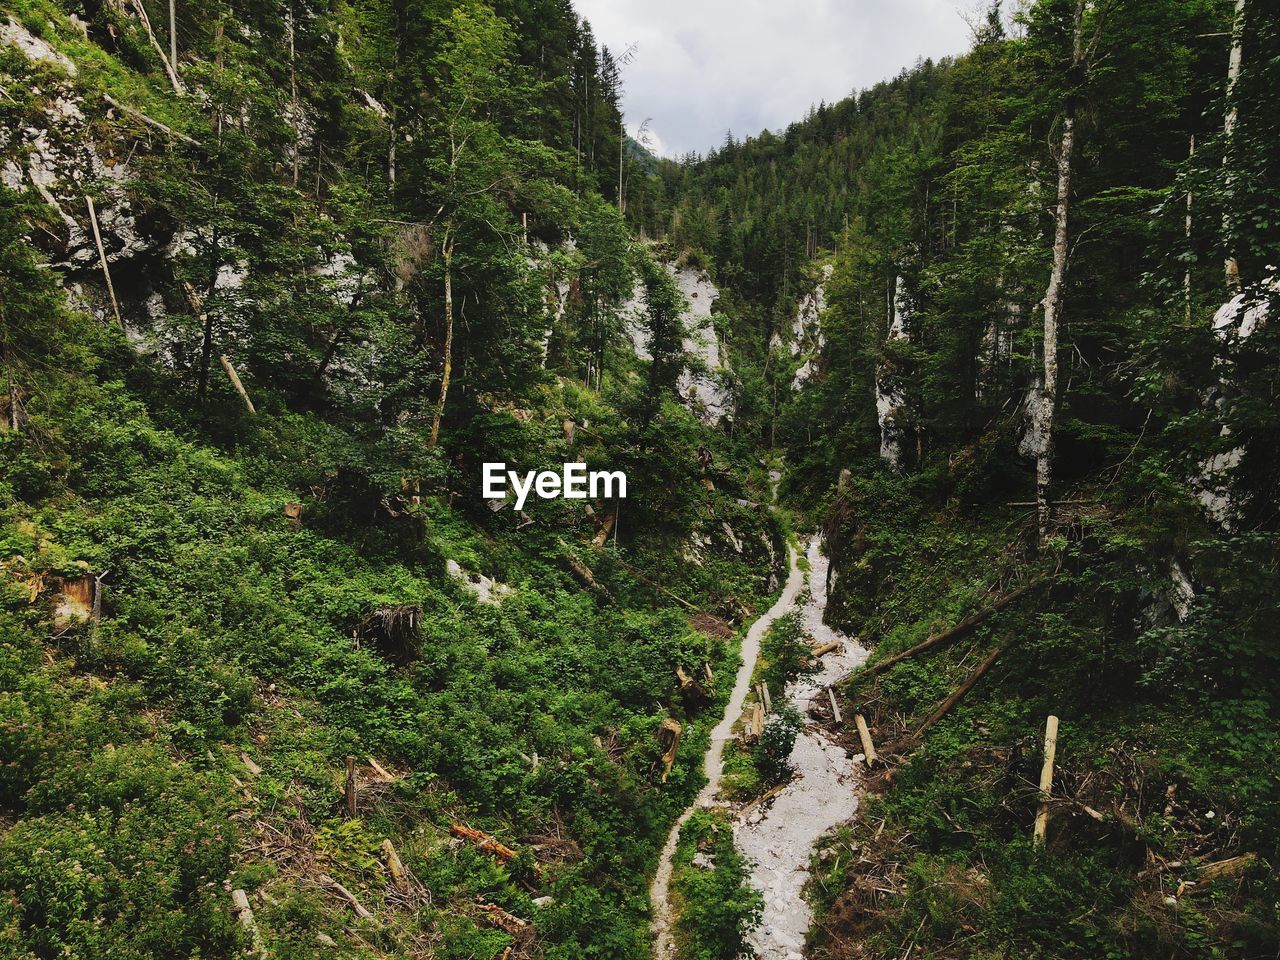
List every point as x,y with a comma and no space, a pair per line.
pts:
823,794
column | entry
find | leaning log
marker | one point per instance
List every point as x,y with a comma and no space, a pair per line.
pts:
235,382
961,629
945,707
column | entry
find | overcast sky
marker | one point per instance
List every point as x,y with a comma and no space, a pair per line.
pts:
706,66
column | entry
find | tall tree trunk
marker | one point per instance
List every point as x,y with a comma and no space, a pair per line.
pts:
1186,278
447,372
1048,400
173,33
622,150
1232,265
206,316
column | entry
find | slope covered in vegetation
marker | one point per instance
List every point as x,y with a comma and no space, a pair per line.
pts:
271,295
263,315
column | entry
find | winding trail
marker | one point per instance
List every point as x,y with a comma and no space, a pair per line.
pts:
779,838
713,761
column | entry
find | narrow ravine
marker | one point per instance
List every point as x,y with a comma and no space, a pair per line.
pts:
779,838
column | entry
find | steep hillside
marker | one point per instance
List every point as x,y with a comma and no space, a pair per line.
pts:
276,677
279,677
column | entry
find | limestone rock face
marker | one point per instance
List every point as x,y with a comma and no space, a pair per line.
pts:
807,339
698,385
1236,320
892,404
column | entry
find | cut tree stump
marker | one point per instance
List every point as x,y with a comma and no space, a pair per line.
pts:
1046,780
669,739
868,748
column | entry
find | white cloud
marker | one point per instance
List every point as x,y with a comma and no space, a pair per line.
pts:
704,67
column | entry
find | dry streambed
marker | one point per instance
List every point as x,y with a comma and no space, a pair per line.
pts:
779,837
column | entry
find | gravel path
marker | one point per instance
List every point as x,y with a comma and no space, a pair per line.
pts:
713,762
823,793
779,839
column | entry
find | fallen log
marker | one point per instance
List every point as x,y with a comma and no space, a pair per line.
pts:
243,913
167,130
835,707
583,573
606,528
868,748
235,382
825,648
488,844
945,707
504,921
346,895
395,867
961,629
382,771
1225,868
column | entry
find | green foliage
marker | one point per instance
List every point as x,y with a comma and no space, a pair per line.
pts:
717,905
773,752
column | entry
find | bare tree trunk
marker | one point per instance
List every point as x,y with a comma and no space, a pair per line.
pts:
173,33
170,69
1048,400
1232,265
447,253
293,96
102,258
206,320
1186,279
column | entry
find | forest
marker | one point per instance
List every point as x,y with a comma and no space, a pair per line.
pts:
945,573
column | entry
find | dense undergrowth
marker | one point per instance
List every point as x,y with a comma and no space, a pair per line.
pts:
1161,756
191,736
